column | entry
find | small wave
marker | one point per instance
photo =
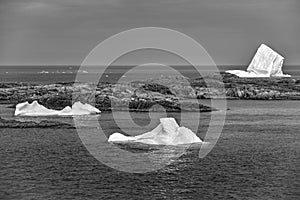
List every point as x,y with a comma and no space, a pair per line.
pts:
43,72
63,72
83,71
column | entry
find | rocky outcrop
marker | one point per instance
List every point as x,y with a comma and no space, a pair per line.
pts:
233,87
140,97
168,92
275,88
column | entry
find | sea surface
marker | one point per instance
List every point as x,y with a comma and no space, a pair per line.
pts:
54,74
256,157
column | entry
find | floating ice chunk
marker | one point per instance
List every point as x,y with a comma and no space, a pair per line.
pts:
168,132
35,109
43,72
120,137
245,74
83,71
265,63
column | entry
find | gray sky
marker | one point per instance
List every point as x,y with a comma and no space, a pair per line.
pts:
64,31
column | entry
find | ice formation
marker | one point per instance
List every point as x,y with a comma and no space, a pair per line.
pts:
265,63
168,132
35,109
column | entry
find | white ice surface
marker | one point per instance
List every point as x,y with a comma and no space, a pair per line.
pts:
35,109
265,63
168,132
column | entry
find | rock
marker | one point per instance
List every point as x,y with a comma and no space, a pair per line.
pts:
273,88
154,87
142,96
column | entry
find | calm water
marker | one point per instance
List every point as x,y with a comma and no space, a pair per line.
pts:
257,157
54,74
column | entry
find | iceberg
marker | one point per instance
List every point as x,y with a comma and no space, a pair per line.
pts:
168,132
265,63
35,109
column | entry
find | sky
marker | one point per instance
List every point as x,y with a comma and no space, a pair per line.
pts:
63,32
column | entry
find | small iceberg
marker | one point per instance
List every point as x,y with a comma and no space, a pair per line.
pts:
35,109
43,72
83,71
265,63
168,132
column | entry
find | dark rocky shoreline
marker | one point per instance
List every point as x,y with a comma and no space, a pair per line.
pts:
171,93
274,88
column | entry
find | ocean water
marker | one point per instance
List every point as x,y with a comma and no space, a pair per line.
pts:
256,157
54,74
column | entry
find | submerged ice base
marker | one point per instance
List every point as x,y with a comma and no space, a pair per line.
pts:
265,63
168,132
35,109
246,74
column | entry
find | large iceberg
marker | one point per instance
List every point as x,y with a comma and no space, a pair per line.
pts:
265,63
168,132
35,109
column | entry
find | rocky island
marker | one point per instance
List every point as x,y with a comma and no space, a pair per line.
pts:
141,96
133,96
274,88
